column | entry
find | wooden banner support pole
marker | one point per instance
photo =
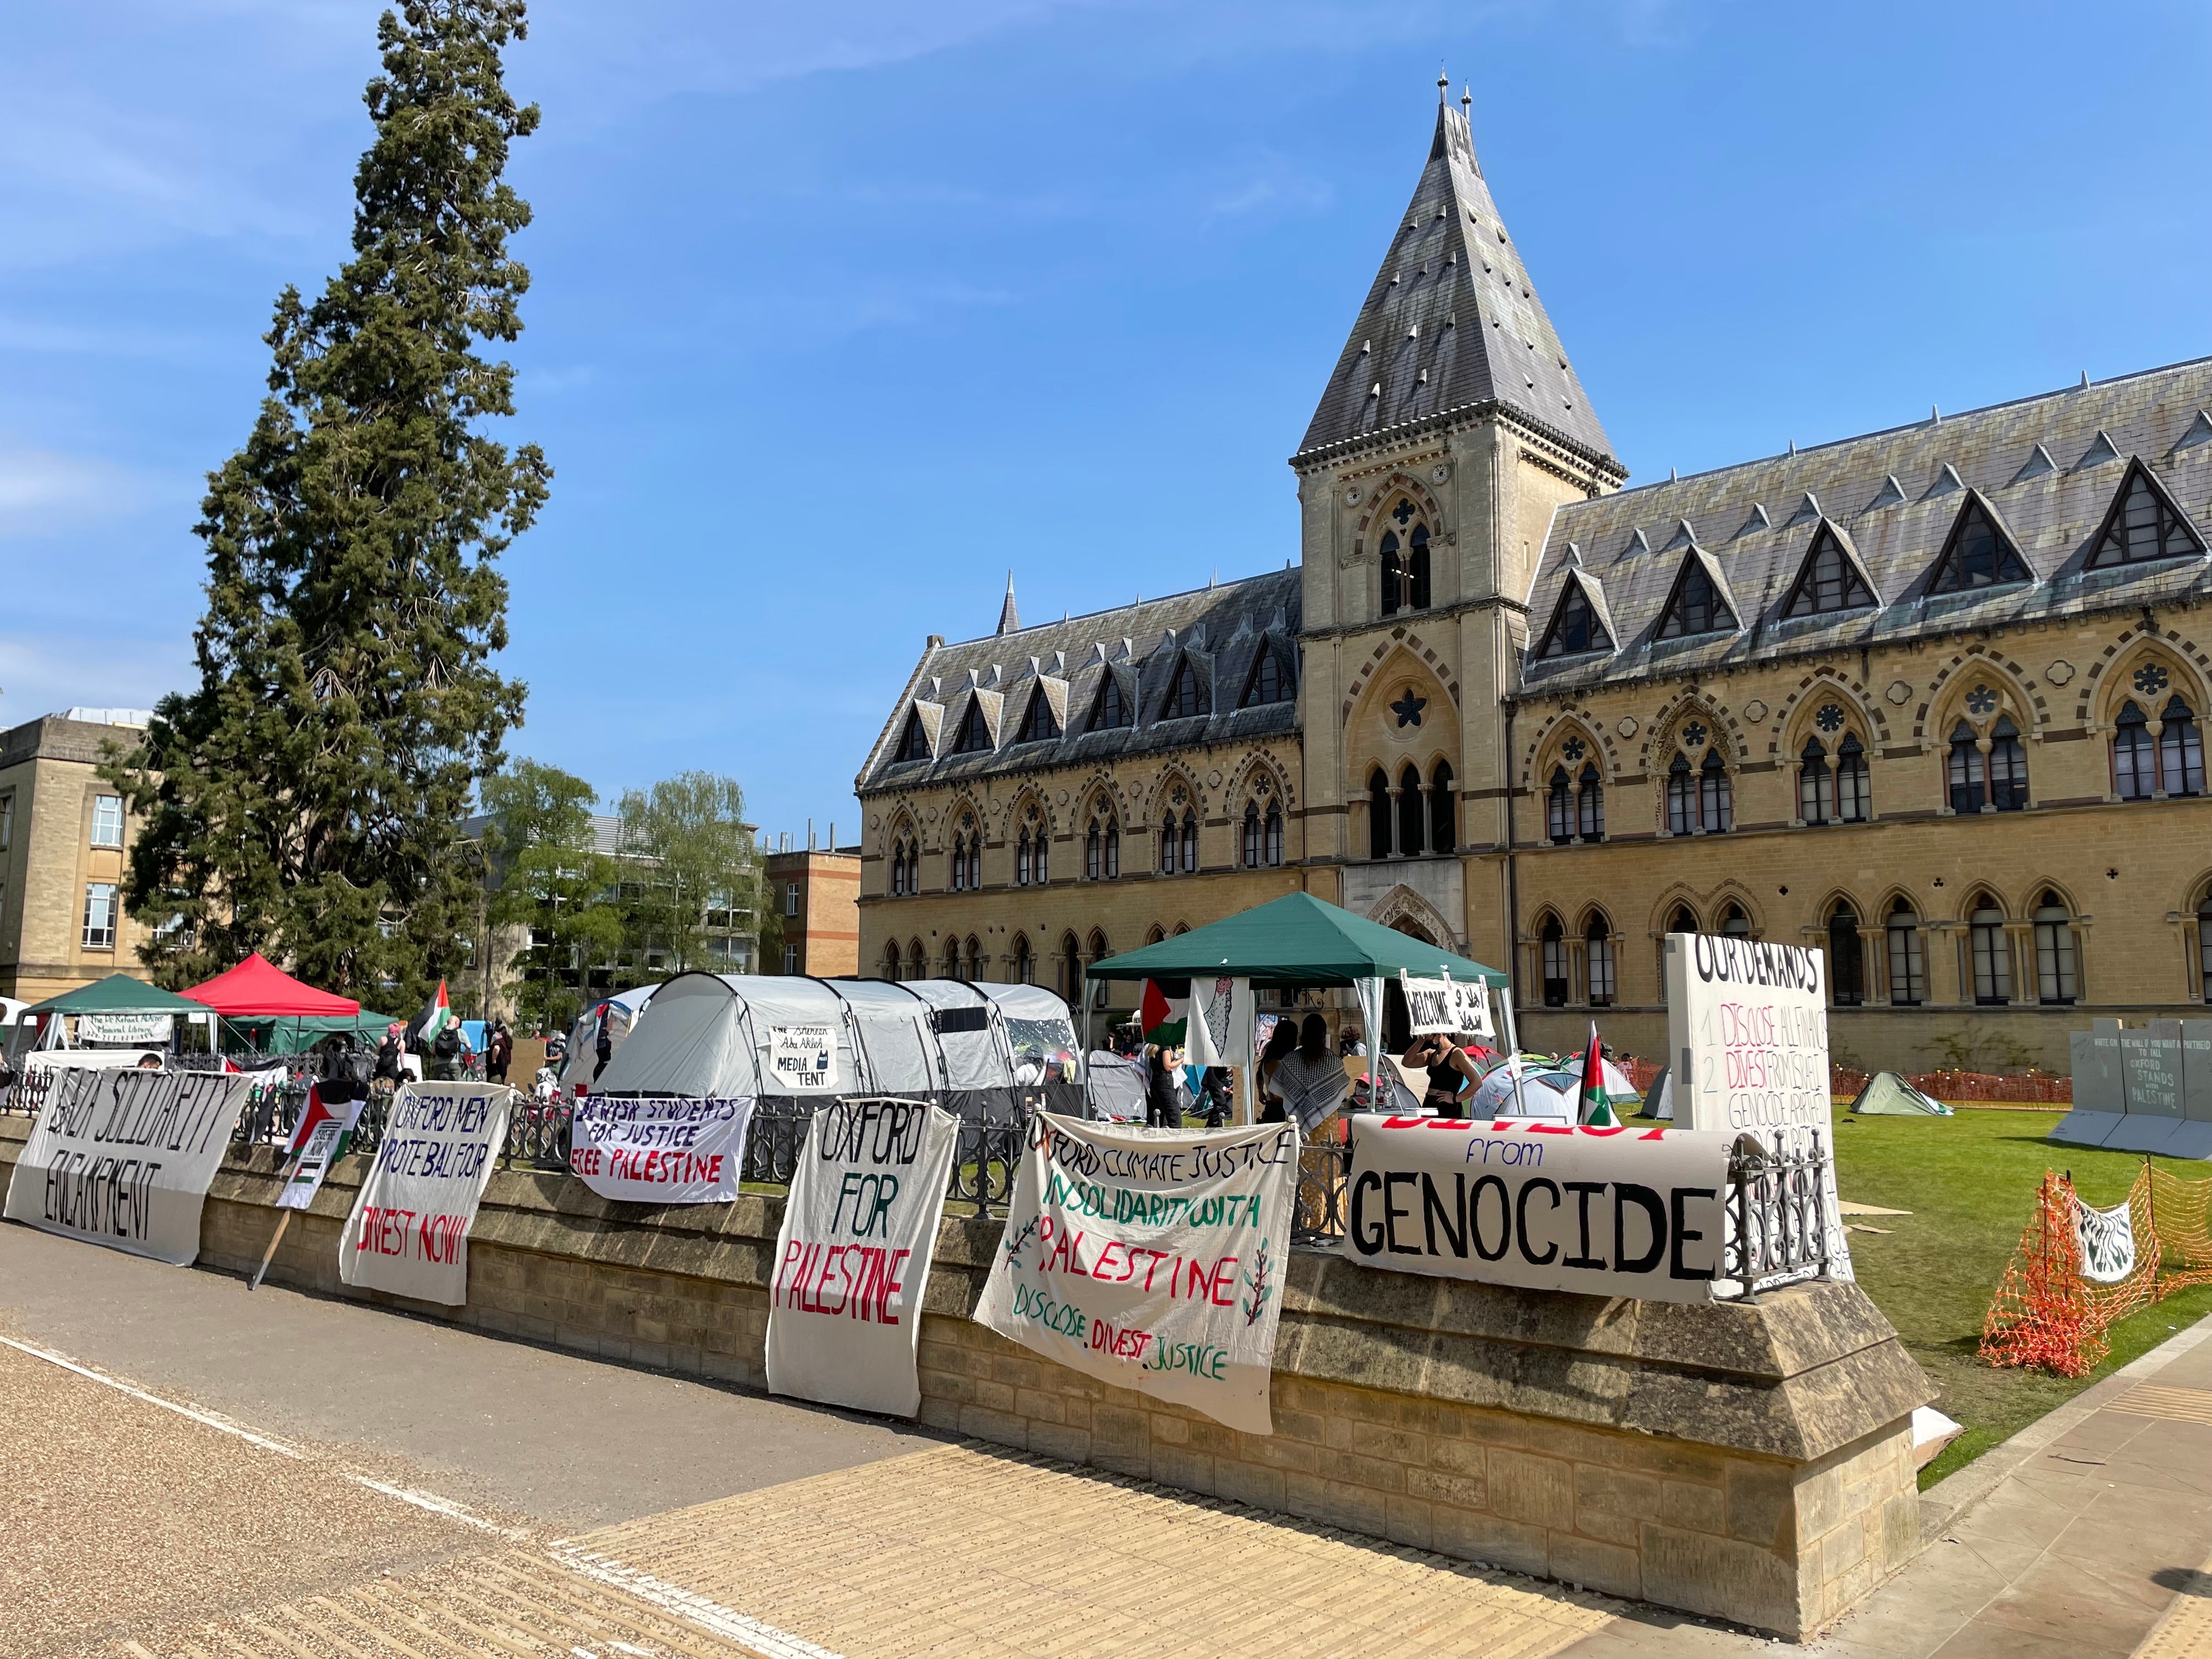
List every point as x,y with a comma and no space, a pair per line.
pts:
283,1220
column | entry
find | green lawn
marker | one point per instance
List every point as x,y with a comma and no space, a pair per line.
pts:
1970,1182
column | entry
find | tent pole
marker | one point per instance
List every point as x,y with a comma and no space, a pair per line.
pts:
1513,1052
1374,1042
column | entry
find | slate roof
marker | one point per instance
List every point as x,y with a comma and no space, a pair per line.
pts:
2049,467
1221,630
1453,320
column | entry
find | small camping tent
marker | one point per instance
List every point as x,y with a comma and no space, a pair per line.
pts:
619,1009
1550,1095
1888,1095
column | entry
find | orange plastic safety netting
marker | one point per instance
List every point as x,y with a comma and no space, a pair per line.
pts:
2079,1271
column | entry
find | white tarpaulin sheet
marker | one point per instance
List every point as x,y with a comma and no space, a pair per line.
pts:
1608,1212
853,1257
409,1232
2107,1238
660,1149
123,1157
1152,1260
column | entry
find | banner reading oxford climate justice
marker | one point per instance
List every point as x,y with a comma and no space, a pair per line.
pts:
1152,1260
660,1149
1608,1212
853,1257
124,1158
408,1231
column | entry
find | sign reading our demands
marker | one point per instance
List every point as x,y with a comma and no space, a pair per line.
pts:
1608,1212
409,1232
1152,1260
660,1149
124,1158
853,1257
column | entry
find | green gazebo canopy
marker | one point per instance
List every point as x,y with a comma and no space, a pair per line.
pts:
118,993
1290,944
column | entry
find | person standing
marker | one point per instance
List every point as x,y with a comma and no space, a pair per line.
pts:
603,1045
446,1053
499,1052
1282,1042
1310,1078
1452,1075
1161,1107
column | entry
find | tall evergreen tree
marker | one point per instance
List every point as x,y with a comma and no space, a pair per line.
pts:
305,800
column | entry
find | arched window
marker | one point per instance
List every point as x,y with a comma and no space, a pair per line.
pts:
891,960
1827,581
1071,970
2143,524
1854,784
1443,829
974,967
967,861
1378,814
1992,955
1684,921
1093,851
1394,574
1908,966
2181,749
975,735
1590,805
1113,848
1039,723
1416,570
1273,835
913,742
1969,777
1555,962
2134,757
1681,797
2007,767
1111,709
2057,980
1155,933
1733,923
1167,843
1574,627
1598,949
1024,965
1022,859
1251,847
2204,946
1560,808
952,959
897,873
1100,950
1269,681
1696,606
1190,841
1186,696
914,864
1411,842
1815,783
1039,870
1846,958
1716,799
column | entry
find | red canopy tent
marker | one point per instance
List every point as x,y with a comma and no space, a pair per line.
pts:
259,989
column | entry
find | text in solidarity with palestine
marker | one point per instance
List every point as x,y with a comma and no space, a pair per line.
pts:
660,1149
123,1157
409,1232
1152,1260
852,1260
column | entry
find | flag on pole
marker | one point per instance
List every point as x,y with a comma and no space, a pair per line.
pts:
1593,1109
1164,1012
437,1014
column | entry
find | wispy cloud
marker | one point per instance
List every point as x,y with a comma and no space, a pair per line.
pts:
42,490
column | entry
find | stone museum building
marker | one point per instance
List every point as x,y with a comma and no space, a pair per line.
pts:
1931,698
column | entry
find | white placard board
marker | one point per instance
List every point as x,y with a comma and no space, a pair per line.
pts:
852,1255
1447,1007
123,1157
802,1059
408,1231
154,1028
660,1149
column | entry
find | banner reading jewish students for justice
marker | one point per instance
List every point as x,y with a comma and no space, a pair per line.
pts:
409,1232
1152,1260
123,1157
1608,1212
853,1257
660,1149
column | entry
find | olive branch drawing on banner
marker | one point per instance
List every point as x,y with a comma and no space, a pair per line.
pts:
1014,1244
1256,1284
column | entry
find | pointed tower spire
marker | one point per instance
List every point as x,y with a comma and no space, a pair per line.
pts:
1452,319
1010,619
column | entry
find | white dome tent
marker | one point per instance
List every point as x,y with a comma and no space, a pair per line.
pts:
622,1009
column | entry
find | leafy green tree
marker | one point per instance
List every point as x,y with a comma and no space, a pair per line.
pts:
698,863
546,877
305,798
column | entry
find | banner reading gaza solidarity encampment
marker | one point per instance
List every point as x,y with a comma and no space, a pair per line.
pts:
1153,1261
123,1157
859,1229
1612,1211
409,1232
660,1149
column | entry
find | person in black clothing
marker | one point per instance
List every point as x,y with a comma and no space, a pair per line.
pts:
1161,1111
446,1055
1451,1074
388,1069
602,1047
1214,1095
498,1052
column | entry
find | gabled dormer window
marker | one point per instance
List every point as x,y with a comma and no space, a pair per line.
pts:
1576,627
1038,724
1269,682
1696,605
1109,711
1185,697
1977,553
913,742
1829,579
2144,525
974,736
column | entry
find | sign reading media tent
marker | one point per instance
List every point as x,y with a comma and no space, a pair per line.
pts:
409,1232
844,1313
1608,1212
1153,1261
660,1149
123,1157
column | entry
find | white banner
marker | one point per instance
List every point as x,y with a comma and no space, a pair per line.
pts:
123,1158
2107,1241
1152,1260
802,1058
1219,1031
318,1141
1747,1046
660,1149
1617,1211
409,1232
853,1257
154,1028
1446,1007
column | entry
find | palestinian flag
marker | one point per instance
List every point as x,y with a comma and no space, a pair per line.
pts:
1164,1012
437,1014
1594,1109
343,1107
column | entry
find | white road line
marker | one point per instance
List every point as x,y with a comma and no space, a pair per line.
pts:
765,1639
422,1500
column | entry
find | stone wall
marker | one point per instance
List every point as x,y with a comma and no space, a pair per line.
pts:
1749,1462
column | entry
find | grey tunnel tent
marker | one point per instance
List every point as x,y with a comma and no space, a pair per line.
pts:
1888,1095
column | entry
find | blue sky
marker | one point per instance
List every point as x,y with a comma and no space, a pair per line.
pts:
835,320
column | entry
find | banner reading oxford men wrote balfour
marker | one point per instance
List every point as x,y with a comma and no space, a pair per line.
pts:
409,1232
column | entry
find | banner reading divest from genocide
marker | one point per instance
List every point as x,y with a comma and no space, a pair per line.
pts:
409,1232
859,1229
1151,1261
123,1157
1609,1212
1748,1043
660,1149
